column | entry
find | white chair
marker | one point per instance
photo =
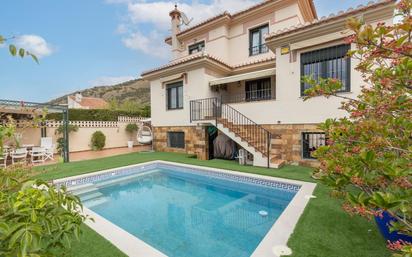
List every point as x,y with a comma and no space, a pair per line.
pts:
3,159
20,154
47,144
37,154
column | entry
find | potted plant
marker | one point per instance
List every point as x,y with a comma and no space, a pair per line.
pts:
131,129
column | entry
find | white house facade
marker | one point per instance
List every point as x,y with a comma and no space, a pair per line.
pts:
241,73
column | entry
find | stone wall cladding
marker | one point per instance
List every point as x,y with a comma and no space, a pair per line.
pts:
287,142
195,140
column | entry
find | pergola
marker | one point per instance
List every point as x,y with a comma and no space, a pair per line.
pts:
21,108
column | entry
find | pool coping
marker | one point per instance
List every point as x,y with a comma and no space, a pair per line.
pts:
133,246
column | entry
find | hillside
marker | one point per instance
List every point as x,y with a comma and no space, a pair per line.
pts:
137,91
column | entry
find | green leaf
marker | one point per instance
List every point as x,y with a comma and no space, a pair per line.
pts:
33,57
22,52
2,39
12,50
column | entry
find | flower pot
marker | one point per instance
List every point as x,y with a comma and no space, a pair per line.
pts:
384,225
130,144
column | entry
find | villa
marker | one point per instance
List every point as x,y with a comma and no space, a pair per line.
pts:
241,73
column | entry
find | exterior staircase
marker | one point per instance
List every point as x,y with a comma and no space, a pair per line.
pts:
251,136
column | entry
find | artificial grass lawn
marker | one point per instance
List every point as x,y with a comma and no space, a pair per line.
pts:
323,230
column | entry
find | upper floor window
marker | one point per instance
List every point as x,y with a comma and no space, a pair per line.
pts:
257,90
257,41
175,95
196,48
329,62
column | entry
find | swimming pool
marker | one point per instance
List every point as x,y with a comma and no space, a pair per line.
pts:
181,210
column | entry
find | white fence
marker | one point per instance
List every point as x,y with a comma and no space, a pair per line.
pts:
116,135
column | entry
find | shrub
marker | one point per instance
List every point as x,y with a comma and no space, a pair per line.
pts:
98,114
131,128
59,131
98,141
36,219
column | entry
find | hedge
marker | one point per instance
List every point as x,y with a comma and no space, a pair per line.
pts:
97,115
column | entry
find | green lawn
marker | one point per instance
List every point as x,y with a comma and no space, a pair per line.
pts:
324,230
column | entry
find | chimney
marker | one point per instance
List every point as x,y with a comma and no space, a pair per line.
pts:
176,18
78,97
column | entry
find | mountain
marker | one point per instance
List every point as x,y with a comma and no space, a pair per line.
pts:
137,90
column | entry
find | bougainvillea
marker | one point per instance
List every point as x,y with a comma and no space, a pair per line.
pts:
368,159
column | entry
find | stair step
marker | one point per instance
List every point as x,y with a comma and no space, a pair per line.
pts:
277,163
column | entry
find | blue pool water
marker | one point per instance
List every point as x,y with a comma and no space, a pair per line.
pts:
189,214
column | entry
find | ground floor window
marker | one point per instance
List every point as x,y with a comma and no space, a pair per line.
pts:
310,142
257,90
176,139
175,96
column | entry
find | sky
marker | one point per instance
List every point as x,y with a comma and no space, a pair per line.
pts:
86,43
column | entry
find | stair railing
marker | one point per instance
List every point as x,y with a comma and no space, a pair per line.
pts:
255,135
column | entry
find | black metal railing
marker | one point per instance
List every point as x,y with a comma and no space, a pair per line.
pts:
249,131
312,141
260,49
249,96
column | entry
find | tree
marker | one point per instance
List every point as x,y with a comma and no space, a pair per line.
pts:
14,50
368,159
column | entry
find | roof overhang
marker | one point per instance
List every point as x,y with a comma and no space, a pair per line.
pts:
334,25
244,76
203,62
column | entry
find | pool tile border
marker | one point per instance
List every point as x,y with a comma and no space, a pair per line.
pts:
141,168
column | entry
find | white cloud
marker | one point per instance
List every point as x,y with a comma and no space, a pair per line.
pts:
108,81
34,44
151,44
155,15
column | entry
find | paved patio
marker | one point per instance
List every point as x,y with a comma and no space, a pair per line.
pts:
89,155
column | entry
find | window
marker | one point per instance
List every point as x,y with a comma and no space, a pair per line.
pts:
198,47
175,96
176,139
329,62
257,90
257,41
310,142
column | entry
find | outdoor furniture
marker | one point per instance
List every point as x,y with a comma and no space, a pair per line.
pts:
37,154
3,159
20,154
47,144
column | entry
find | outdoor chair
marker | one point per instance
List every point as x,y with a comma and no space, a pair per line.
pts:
20,154
47,144
37,154
3,159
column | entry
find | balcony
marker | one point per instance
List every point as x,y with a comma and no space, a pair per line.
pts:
260,49
248,96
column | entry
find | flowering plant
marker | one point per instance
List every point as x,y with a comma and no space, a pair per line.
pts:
368,159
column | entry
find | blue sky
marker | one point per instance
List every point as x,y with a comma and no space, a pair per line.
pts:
85,43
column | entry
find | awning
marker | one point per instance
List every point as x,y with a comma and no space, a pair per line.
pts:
245,76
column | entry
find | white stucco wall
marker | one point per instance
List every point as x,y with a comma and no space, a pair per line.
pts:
231,43
197,87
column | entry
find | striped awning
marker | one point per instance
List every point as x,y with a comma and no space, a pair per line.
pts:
244,76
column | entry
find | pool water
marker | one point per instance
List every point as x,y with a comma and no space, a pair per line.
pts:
189,214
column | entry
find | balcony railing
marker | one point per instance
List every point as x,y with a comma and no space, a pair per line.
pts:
260,49
249,96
